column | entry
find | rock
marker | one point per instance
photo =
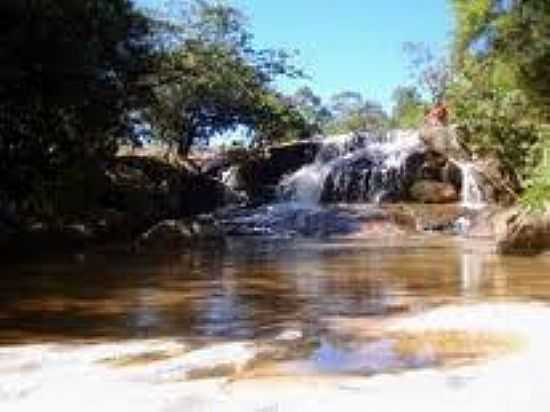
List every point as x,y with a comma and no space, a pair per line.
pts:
174,234
259,176
431,191
497,184
445,141
364,178
518,231
149,190
356,174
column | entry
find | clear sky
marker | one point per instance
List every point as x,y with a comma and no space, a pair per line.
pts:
348,44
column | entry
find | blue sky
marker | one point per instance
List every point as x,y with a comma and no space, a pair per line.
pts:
349,44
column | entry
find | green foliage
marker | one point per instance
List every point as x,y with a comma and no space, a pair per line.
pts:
537,194
67,69
409,109
217,81
494,119
77,77
499,94
351,112
473,19
431,71
311,108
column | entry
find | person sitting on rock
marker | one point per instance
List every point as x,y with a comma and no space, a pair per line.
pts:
438,116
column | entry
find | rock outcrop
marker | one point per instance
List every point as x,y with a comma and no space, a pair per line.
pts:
154,190
444,140
360,179
496,183
519,231
258,176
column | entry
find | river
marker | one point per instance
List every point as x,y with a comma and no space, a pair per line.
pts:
171,331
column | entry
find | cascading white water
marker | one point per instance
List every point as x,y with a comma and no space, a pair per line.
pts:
472,195
359,167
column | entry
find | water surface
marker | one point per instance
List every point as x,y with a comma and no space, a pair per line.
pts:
255,288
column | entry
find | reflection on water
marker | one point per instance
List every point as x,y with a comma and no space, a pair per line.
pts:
471,273
254,288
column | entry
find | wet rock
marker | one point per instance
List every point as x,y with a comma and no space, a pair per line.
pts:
288,220
496,182
365,178
519,231
173,234
431,191
351,182
259,176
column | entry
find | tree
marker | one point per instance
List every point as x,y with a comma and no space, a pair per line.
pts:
311,107
409,108
351,112
218,81
499,92
345,104
77,77
431,72
67,75
515,33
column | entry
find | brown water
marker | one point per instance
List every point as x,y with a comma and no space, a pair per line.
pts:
255,288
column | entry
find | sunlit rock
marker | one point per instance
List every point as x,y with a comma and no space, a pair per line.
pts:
519,231
444,140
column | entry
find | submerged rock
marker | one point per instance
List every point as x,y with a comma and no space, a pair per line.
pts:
431,191
173,234
289,220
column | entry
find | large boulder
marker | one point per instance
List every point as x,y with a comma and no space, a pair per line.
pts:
431,191
148,190
348,183
519,231
259,175
497,184
444,140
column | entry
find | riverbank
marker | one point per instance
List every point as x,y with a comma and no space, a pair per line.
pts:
349,185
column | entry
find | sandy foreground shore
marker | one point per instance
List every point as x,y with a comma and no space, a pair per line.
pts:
171,375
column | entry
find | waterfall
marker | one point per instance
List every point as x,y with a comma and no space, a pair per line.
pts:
472,196
359,168
364,167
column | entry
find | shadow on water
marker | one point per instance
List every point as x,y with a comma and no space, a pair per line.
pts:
255,288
